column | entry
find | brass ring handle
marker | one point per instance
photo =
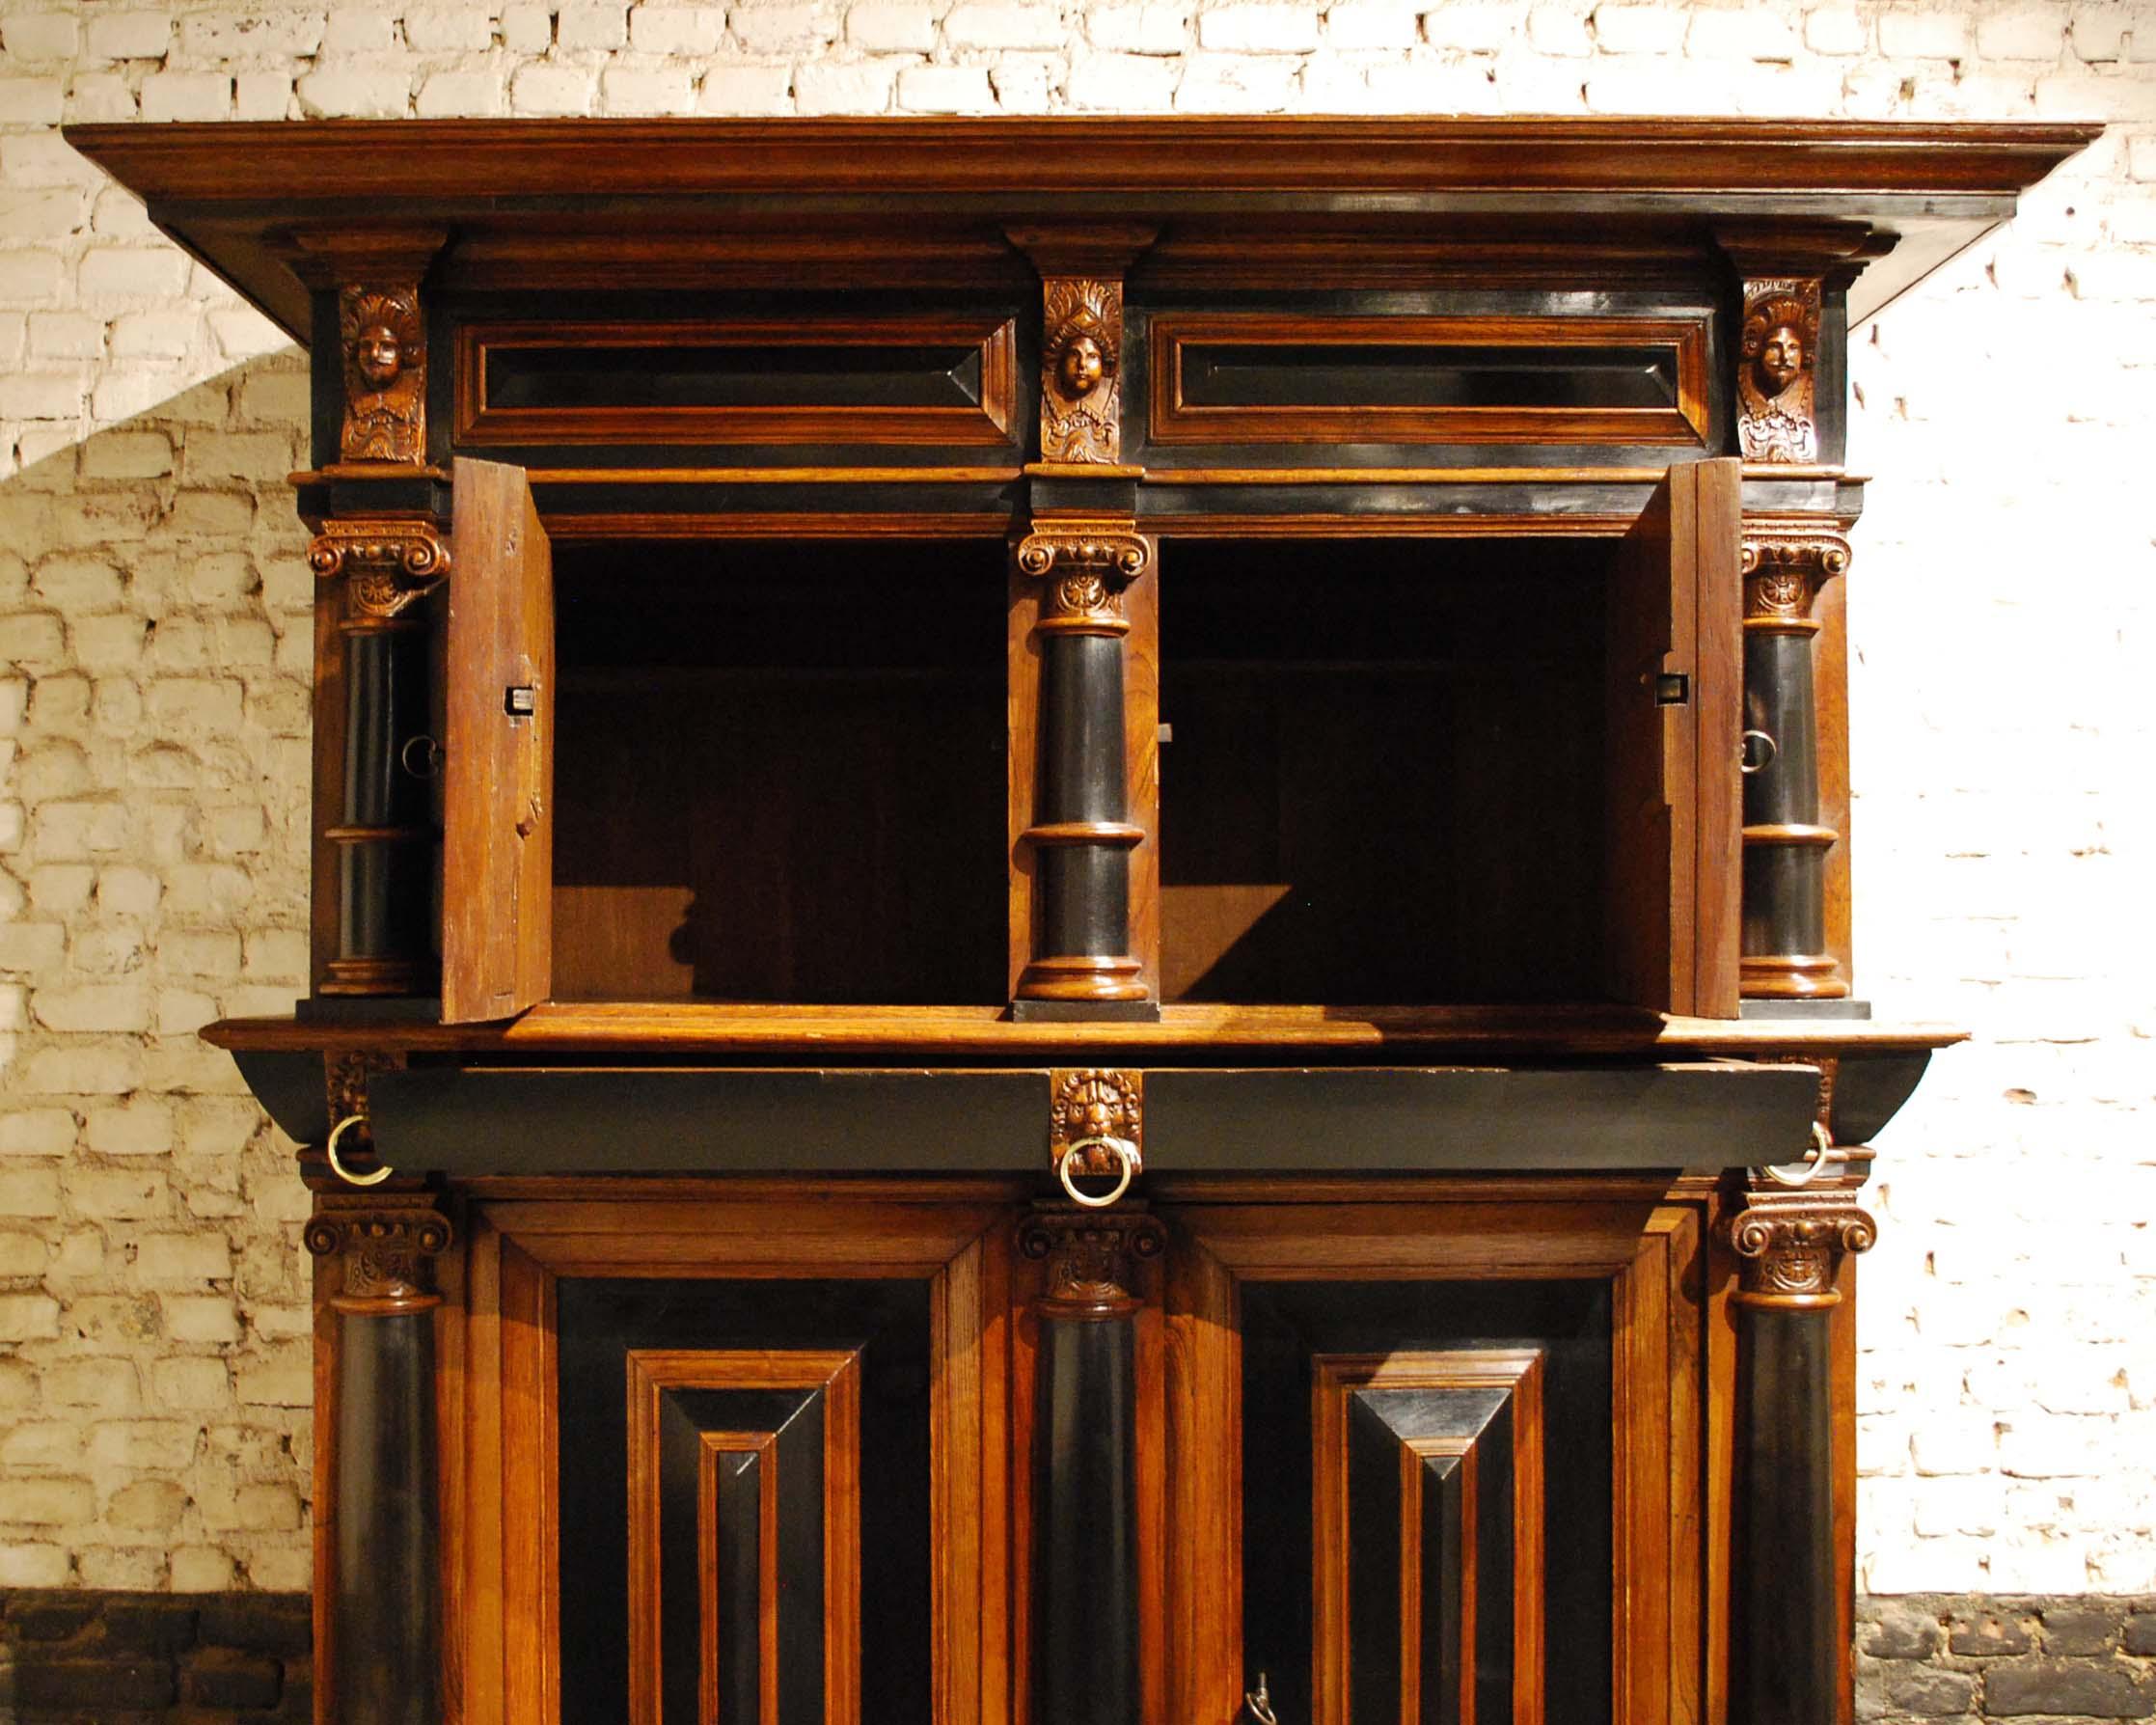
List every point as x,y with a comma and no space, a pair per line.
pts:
1258,1704
1815,1159
430,756
337,1168
1745,764
1126,1153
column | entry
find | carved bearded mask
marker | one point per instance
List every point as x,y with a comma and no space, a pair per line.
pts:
1780,358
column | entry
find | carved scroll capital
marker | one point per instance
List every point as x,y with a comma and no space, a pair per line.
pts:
1089,1256
1777,399
1086,564
1785,561
384,338
1081,364
389,565
1789,1245
1092,1106
388,1254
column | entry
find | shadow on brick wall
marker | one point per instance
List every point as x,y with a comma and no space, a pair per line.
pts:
83,1658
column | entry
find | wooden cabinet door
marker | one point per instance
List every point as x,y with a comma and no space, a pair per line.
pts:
733,1458
1674,742
1436,1462
498,750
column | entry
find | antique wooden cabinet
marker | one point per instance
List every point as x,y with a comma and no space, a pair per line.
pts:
1081,906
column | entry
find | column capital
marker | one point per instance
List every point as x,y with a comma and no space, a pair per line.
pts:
1789,1246
1087,561
388,563
1785,559
1090,1255
386,1248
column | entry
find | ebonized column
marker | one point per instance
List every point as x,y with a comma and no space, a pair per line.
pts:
1785,1586
385,1606
1085,1513
384,834
1784,921
1081,836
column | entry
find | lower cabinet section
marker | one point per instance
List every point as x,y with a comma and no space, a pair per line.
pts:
1427,1454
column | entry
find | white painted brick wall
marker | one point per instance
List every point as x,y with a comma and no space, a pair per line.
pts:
154,652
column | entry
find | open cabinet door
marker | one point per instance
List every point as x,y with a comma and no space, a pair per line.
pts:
498,743
1673,736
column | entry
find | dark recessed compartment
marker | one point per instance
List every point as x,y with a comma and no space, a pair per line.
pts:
1384,782
779,772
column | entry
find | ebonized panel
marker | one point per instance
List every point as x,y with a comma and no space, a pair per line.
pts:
883,1329
1288,1329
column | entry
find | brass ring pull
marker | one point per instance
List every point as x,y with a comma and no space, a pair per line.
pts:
430,756
1745,763
337,1168
1126,1153
1817,1158
1259,1705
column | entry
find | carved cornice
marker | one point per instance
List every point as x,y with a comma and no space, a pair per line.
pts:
1086,562
1089,1256
1777,401
1785,561
1789,1245
387,564
387,1251
1091,1106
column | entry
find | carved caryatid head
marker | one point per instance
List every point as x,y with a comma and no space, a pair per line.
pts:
382,336
1776,343
1084,354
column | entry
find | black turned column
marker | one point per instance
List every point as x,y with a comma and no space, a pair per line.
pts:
385,836
1086,1557
1785,924
385,1642
1081,836
1787,1586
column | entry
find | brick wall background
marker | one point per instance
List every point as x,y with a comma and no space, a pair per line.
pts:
154,654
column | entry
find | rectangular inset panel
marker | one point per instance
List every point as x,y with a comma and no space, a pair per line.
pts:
1262,377
907,378
1426,1515
744,1535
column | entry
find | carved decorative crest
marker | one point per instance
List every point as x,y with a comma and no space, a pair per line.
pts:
386,1254
1785,561
1789,1245
1089,1255
1081,353
1086,563
1776,403
389,565
385,373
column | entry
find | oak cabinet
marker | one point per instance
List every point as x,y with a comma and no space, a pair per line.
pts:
1081,906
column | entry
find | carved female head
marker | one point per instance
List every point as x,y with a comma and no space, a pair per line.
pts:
378,355
1081,366
382,337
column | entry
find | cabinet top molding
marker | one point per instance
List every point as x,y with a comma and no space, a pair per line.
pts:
238,194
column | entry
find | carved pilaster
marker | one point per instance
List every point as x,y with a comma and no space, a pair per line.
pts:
384,338
1789,1246
387,1250
1090,1255
1082,338
1777,396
